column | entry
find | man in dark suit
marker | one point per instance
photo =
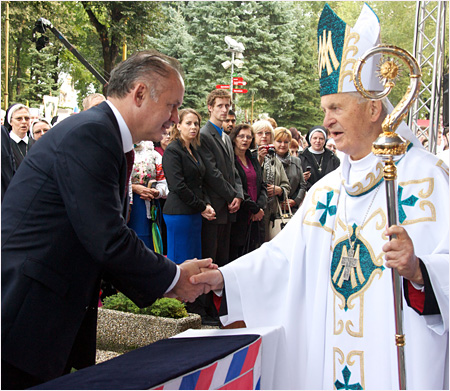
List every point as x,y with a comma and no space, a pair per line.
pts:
55,255
216,148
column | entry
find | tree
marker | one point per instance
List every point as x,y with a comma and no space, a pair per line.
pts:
41,78
117,22
277,51
96,29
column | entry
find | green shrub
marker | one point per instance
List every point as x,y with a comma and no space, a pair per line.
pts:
165,307
168,308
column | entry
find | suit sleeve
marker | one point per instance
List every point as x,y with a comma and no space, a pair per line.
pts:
92,185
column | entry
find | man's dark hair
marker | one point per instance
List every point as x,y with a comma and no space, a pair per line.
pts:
231,112
147,66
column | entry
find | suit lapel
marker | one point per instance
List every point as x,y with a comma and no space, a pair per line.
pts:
123,166
188,154
229,145
212,130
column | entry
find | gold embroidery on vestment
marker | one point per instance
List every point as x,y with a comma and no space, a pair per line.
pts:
339,356
441,164
371,177
378,217
311,212
346,58
426,190
326,52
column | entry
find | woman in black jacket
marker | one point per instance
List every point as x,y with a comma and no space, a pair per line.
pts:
186,202
247,233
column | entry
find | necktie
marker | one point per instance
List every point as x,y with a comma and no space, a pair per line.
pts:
130,161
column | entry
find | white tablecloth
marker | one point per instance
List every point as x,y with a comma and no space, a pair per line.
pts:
274,375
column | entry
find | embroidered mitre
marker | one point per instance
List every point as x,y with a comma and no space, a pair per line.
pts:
340,46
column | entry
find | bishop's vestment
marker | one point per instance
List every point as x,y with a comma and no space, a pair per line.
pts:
337,310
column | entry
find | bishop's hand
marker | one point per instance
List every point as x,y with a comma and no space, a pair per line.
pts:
211,278
399,254
184,289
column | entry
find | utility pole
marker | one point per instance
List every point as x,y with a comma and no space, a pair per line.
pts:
6,56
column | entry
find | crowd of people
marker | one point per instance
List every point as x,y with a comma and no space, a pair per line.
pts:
219,186
196,195
145,204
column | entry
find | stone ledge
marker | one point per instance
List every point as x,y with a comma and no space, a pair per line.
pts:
122,331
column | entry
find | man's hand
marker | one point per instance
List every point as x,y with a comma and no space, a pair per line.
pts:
400,255
211,278
186,291
235,205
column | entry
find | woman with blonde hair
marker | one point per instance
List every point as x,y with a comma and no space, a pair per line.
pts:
292,166
274,176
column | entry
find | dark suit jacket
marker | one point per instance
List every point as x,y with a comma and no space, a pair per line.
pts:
214,151
63,230
7,161
185,179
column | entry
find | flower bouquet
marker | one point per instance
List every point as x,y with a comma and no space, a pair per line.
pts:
142,173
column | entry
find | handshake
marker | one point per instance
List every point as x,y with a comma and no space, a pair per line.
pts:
197,277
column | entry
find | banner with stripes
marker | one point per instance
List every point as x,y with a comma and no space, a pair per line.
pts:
240,370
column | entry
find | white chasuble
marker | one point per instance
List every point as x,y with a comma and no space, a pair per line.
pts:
323,279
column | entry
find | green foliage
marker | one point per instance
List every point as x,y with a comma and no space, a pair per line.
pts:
96,29
168,308
164,307
41,78
280,57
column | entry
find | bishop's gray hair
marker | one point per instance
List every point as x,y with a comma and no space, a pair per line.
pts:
384,102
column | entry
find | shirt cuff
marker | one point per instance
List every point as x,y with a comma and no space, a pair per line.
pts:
419,287
218,292
175,280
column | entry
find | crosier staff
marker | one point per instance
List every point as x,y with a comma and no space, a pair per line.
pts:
390,147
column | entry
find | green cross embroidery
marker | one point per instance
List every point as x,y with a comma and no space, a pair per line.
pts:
410,201
331,210
345,386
